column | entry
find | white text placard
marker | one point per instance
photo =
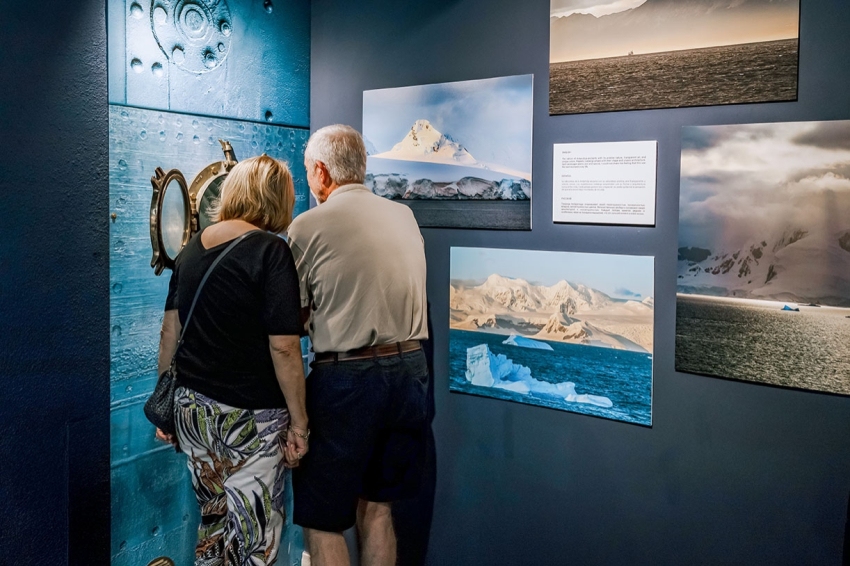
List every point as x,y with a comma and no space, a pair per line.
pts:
605,183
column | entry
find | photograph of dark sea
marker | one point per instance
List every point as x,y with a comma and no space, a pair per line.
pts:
732,74
612,55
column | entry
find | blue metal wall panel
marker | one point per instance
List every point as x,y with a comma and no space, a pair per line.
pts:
244,59
154,512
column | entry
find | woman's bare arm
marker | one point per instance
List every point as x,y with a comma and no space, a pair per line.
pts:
168,337
286,355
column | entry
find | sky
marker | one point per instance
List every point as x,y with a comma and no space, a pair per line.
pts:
491,118
593,7
745,182
620,276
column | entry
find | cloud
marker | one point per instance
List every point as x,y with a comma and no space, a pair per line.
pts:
746,182
826,135
698,138
561,8
623,292
568,5
840,170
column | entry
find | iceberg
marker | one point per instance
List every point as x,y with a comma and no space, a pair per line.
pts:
523,342
485,369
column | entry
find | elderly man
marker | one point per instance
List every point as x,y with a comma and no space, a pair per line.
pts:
361,263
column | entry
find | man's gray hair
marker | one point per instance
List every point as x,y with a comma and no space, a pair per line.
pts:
342,150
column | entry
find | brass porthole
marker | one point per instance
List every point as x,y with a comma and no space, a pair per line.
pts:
179,210
170,219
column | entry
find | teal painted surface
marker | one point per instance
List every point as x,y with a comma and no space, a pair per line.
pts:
154,512
241,59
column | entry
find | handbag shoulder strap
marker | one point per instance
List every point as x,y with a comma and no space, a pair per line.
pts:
206,276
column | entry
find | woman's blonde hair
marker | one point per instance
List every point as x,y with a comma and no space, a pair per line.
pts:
258,190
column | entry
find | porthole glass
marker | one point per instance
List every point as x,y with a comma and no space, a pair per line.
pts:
174,221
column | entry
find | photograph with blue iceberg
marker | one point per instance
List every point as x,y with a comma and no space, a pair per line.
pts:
458,154
609,55
764,254
563,330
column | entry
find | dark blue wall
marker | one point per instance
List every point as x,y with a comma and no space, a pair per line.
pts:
730,472
54,296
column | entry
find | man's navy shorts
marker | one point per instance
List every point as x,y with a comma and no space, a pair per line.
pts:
369,420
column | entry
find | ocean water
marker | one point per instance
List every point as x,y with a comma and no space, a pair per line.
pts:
479,214
734,74
624,377
757,341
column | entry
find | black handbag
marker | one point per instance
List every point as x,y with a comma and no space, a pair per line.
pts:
159,408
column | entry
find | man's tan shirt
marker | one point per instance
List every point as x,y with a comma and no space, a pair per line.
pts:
361,265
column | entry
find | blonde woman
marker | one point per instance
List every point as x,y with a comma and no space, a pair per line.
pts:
240,382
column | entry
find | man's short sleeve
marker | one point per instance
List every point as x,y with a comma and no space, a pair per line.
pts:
303,270
281,309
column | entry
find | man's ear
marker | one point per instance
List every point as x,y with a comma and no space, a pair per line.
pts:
324,175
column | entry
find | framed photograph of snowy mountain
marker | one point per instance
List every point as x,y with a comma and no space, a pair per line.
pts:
563,330
764,254
458,154
608,55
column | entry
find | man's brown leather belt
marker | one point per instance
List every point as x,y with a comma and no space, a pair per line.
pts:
368,352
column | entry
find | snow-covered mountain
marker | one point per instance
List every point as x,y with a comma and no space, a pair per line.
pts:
564,312
424,143
808,265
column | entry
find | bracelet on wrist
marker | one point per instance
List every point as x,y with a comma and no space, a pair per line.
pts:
305,436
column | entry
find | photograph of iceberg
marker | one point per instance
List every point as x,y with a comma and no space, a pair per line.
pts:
563,330
609,55
764,254
458,154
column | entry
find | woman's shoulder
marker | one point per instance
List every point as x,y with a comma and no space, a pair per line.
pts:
269,239
267,245
191,251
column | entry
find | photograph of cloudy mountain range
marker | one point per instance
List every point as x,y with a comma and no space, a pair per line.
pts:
458,154
608,55
567,331
764,254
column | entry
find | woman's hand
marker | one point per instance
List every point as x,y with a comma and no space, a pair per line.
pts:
165,437
296,445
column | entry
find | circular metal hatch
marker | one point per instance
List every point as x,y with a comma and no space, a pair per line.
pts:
206,186
170,219
194,35
179,210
